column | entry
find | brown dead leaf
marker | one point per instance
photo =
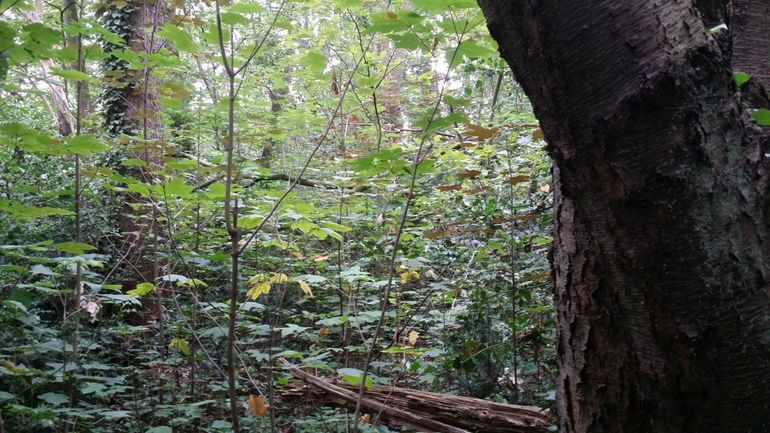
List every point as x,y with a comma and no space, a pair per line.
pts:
518,179
537,134
469,174
445,188
257,405
480,132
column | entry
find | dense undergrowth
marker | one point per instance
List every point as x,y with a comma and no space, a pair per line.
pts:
429,194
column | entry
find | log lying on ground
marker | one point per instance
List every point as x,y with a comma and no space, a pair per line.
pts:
420,410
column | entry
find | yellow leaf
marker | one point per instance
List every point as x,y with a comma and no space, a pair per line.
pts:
413,336
409,276
305,288
257,405
260,289
256,279
279,278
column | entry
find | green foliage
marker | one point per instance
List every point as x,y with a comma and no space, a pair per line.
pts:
469,308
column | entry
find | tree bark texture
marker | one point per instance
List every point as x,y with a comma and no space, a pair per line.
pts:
142,117
421,410
662,235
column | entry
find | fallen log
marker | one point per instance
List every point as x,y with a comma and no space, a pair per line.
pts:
420,410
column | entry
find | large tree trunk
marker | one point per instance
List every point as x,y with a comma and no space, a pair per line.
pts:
663,234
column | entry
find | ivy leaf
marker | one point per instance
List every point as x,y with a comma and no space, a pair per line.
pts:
741,78
141,289
761,116
181,39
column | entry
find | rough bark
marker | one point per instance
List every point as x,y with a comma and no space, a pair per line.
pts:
662,232
142,117
422,410
750,27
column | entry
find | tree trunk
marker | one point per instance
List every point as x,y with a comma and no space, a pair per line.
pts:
662,232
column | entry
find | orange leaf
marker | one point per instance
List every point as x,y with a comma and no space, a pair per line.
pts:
323,332
257,405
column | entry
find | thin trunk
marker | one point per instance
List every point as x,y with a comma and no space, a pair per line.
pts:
662,226
58,95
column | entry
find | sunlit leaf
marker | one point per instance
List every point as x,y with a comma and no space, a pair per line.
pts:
141,289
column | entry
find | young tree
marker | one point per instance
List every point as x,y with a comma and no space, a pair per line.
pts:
663,232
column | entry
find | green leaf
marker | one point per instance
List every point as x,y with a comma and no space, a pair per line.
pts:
344,4
761,116
133,162
336,227
73,75
456,102
77,248
53,398
85,145
180,38
232,18
6,396
444,5
22,212
472,49
741,78
353,376
115,414
92,388
246,8
159,429
141,289
315,61
179,188
394,22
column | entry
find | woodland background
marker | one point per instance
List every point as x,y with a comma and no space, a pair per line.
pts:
191,190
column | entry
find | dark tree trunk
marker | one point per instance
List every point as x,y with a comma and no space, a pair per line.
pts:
663,228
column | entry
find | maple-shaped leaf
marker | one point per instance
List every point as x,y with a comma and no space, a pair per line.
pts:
480,132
